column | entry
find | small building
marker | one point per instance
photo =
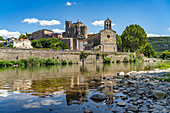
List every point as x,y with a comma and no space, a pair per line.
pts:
22,43
57,35
42,34
10,40
105,40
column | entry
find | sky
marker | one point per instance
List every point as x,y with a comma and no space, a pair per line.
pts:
21,16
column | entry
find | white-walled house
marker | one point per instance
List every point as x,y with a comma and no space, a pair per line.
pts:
10,40
22,43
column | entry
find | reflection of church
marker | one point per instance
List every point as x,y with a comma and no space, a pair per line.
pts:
105,40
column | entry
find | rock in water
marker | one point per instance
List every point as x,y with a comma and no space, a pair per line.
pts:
159,94
120,103
88,111
121,73
98,97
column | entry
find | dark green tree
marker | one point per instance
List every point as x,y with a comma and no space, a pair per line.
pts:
133,37
147,50
23,37
118,41
1,38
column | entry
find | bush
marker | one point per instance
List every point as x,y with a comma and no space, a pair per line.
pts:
165,55
33,61
138,59
71,62
49,61
63,62
98,54
132,57
107,60
10,46
56,62
117,61
113,61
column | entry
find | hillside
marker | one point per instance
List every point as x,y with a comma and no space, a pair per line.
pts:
159,43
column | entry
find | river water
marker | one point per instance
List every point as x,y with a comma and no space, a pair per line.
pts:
59,89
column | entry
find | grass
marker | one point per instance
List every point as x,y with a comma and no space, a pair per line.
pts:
163,65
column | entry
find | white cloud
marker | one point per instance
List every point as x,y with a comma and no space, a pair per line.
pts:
49,23
69,3
58,30
169,28
41,22
32,105
155,35
30,20
100,23
6,34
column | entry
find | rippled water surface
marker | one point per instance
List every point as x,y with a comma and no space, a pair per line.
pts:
59,89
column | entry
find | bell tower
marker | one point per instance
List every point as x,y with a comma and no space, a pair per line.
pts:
107,24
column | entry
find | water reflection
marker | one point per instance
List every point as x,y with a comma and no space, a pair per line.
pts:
74,84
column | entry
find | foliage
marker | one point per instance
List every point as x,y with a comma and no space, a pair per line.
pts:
104,55
157,55
133,37
98,54
49,61
64,62
159,44
1,45
1,38
163,65
118,41
23,37
83,55
10,46
113,61
165,55
117,61
71,62
107,60
147,50
138,59
49,43
132,57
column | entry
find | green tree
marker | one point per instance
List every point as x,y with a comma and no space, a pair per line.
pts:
1,38
147,50
23,37
165,55
118,41
133,37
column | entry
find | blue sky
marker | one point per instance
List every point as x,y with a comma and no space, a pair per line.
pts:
21,16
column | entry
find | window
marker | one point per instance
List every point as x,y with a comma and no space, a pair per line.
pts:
108,36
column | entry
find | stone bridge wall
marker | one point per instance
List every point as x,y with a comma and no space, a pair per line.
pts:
18,54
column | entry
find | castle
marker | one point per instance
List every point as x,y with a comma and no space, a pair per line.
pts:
75,36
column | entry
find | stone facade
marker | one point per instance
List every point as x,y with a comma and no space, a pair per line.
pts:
42,34
103,41
77,32
22,43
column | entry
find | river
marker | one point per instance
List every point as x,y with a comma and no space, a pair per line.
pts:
59,89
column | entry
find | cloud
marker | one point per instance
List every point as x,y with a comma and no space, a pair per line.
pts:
49,23
169,29
6,34
41,22
100,23
155,35
69,3
58,30
32,105
50,102
30,20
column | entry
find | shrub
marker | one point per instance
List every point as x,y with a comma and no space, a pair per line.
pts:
132,57
19,63
98,54
117,61
104,55
165,55
49,61
138,59
71,62
107,60
113,61
63,62
56,62
33,61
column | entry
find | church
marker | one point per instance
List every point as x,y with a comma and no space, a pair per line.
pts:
105,40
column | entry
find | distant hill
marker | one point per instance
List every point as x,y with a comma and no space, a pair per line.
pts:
159,44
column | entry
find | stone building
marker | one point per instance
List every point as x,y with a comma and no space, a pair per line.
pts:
75,35
42,34
105,40
22,43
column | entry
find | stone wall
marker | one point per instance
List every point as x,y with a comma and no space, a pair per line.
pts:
18,54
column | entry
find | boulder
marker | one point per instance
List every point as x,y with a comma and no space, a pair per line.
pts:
158,94
98,97
121,73
121,103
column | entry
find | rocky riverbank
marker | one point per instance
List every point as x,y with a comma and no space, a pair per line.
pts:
136,92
